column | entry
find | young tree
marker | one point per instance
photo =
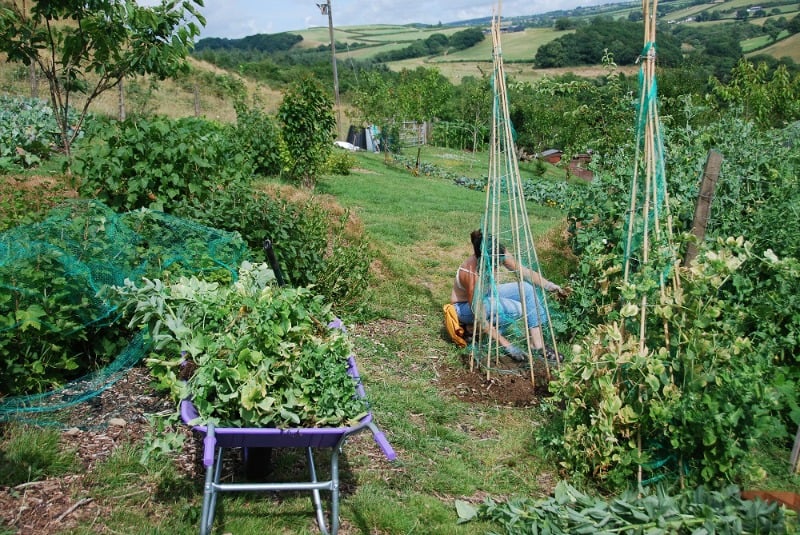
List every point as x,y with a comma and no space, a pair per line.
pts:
308,129
88,47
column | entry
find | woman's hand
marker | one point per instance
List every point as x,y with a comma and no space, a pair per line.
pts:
558,290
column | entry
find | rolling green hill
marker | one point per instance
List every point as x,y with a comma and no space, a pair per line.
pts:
519,48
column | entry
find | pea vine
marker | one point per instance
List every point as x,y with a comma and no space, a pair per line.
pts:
688,406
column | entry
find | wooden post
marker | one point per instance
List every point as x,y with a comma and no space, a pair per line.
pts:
795,461
703,207
196,101
326,9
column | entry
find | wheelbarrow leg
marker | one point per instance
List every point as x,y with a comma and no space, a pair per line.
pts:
323,525
335,490
213,474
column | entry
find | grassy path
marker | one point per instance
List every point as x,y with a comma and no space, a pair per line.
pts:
448,449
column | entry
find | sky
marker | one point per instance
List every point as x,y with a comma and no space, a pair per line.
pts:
238,18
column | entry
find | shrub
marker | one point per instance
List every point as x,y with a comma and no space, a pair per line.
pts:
259,137
340,162
687,401
156,162
313,244
308,126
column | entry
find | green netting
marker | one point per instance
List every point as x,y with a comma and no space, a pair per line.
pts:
506,230
62,341
649,183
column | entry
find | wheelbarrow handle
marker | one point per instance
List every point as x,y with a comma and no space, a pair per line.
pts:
382,442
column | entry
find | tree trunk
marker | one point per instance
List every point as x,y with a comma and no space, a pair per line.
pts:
196,101
122,100
703,207
34,80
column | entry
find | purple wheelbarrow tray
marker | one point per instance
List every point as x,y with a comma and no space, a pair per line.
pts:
218,438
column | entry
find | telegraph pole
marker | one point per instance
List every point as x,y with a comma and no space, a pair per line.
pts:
326,10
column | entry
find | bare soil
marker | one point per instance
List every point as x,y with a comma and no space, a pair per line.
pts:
509,384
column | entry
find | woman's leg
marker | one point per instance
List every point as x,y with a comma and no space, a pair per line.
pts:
511,304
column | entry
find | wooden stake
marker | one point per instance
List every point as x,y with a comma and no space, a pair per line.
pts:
704,199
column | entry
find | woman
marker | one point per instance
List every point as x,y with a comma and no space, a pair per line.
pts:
507,296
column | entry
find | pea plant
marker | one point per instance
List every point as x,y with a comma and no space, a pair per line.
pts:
249,354
688,403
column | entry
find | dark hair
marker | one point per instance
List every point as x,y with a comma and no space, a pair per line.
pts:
476,237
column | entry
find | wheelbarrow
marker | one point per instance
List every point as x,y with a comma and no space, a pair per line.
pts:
218,438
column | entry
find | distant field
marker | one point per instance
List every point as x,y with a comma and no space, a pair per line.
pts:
758,44
786,48
523,72
377,34
683,14
344,54
516,46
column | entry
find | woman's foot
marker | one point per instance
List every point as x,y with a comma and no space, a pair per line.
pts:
551,355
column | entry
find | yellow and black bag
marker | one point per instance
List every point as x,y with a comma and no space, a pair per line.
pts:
453,326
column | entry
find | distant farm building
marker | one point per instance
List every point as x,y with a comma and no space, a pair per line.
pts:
552,156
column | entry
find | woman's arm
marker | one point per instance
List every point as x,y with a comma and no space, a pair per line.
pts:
527,274
530,275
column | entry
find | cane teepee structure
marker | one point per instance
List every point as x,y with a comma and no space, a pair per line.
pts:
506,230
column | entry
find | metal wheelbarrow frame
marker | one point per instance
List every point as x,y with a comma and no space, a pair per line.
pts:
218,438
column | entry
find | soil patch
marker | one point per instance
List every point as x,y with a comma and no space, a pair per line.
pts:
508,384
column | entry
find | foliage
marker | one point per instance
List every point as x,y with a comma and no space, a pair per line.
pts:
308,124
54,323
716,47
421,94
259,355
155,162
340,162
28,132
699,510
110,39
21,206
620,37
262,42
631,402
575,114
717,315
313,245
469,112
770,98
259,137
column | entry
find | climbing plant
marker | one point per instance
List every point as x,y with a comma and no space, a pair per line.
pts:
689,405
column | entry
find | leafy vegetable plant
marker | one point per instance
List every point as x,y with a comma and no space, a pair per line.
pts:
570,511
250,354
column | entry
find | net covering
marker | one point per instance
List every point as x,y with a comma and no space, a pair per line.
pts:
62,339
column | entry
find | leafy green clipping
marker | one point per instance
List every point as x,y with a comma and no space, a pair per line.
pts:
250,354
